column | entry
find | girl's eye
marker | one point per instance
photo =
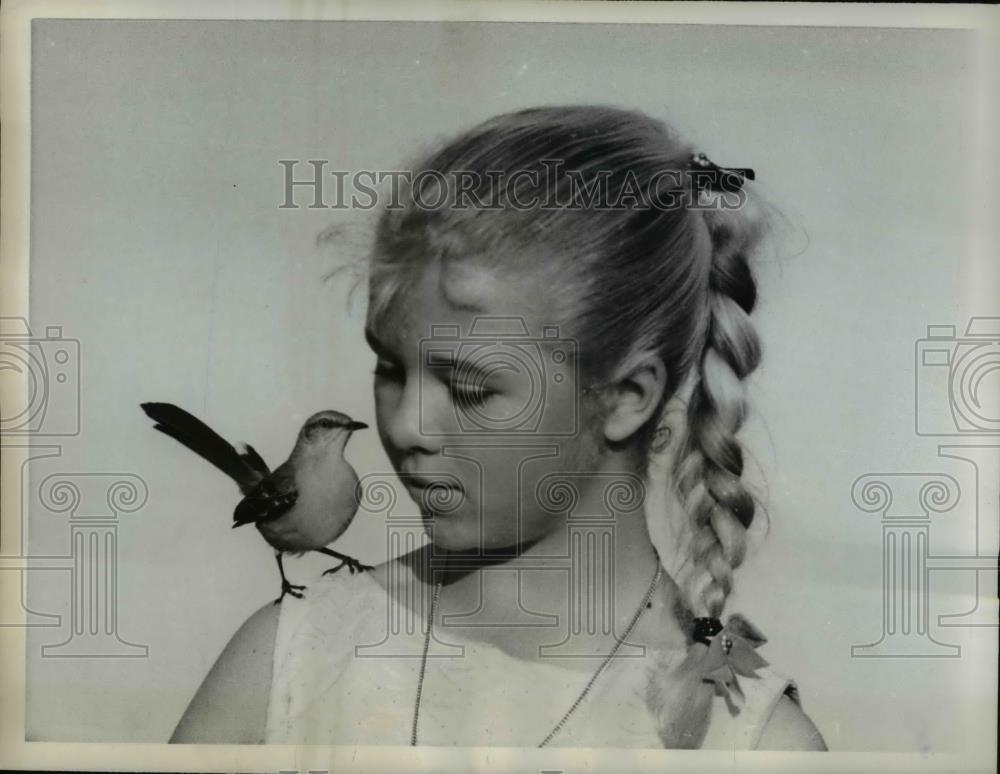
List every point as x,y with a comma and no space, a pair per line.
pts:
471,395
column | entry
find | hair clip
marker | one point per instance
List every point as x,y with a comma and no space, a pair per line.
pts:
710,176
705,629
731,652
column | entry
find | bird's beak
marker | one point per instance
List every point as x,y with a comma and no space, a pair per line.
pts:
352,426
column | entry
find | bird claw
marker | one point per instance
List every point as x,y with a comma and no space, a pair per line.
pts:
351,564
290,588
355,566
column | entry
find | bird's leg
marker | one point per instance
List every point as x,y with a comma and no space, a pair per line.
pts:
286,587
332,570
345,561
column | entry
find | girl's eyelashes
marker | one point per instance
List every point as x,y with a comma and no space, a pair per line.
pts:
470,395
462,394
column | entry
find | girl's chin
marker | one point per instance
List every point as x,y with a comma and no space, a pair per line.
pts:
446,537
458,538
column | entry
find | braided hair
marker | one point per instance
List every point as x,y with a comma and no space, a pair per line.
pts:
708,470
672,280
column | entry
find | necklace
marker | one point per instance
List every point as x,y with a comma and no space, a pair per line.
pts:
586,689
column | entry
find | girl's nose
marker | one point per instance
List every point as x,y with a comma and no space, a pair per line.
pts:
413,425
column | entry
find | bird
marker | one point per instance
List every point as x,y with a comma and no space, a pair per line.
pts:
304,504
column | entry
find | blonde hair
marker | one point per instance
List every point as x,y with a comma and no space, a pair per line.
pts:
673,280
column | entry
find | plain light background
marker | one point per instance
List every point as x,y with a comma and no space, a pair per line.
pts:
157,241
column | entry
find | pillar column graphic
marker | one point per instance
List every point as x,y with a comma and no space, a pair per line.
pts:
500,601
94,502
904,501
406,606
591,613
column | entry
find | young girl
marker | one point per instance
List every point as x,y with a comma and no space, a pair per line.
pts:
544,610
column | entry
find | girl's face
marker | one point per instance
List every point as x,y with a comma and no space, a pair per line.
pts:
477,400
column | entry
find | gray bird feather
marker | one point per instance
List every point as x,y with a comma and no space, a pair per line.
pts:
271,498
267,495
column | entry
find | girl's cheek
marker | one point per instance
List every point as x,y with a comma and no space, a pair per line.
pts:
386,399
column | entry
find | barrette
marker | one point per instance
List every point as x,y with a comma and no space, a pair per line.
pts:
731,653
710,176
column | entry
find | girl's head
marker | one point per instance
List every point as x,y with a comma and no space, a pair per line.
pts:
558,220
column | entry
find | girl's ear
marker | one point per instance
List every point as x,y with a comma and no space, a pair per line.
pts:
635,397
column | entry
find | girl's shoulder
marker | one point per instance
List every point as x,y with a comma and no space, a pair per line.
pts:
759,707
335,614
755,705
331,608
744,727
230,705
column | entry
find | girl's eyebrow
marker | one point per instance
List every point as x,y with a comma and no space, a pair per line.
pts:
445,360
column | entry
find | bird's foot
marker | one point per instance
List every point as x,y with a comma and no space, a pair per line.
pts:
351,564
289,588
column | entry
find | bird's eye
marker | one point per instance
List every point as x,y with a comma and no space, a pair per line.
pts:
326,422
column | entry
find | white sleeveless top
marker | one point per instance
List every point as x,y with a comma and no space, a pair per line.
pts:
340,678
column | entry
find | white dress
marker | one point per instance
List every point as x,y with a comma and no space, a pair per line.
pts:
339,678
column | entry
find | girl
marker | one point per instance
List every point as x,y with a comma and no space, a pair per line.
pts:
549,609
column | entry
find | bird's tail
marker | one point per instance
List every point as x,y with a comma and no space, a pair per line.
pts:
205,442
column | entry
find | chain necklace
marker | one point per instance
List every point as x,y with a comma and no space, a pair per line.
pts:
583,693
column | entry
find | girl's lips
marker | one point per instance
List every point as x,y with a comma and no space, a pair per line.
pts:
438,497
422,484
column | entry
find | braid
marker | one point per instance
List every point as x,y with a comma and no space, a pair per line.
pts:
707,473
710,462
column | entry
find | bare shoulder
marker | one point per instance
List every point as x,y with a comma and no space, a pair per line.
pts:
230,707
789,728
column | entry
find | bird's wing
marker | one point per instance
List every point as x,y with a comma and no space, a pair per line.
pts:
271,498
254,460
246,469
